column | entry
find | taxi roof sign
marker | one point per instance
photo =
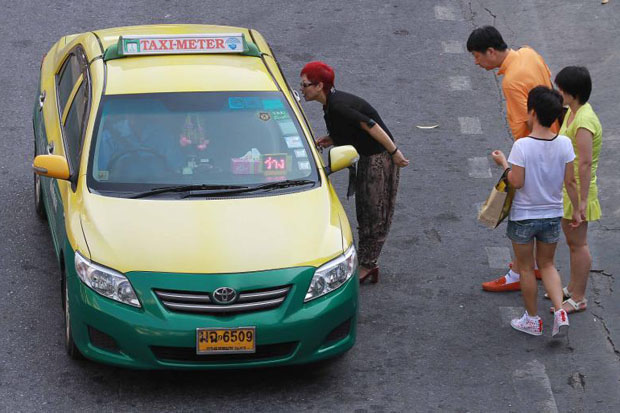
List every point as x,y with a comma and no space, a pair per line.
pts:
197,43
211,43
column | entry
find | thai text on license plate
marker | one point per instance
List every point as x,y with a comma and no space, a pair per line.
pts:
226,340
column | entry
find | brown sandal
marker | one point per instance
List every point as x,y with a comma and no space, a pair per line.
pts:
372,275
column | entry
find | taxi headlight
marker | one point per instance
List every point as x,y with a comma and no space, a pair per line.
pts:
105,281
332,275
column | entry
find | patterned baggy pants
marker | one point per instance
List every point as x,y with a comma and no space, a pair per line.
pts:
375,200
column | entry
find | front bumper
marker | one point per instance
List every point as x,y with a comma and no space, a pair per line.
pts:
153,337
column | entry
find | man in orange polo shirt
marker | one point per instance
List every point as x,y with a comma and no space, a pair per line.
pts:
523,70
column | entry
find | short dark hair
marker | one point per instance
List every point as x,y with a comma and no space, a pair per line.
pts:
546,103
576,81
484,37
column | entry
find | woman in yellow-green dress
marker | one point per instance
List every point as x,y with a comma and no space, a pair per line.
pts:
583,127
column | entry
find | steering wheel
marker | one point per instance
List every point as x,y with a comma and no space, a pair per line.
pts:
209,169
138,161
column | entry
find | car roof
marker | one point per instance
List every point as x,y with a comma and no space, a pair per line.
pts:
183,73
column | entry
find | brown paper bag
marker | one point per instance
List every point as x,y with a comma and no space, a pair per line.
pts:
497,206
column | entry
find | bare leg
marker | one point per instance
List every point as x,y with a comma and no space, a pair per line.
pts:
545,254
524,254
580,258
515,265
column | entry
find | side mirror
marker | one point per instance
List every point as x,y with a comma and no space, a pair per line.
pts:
53,166
341,157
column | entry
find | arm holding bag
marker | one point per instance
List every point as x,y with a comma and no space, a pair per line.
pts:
497,206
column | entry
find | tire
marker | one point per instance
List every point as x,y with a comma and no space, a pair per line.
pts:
39,206
70,347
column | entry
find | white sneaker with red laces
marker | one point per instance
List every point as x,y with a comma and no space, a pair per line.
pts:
527,324
560,323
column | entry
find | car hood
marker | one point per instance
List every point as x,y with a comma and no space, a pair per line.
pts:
216,235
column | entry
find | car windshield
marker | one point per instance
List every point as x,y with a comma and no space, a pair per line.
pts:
146,141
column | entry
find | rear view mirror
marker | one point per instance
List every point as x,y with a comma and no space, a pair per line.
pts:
341,157
53,166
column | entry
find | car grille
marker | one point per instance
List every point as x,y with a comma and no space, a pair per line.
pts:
188,354
200,302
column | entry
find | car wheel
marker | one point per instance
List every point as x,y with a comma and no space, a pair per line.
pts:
39,206
70,346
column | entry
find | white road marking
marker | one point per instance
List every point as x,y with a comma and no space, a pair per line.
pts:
611,139
479,168
470,126
453,46
459,83
508,313
446,13
611,185
533,386
499,257
478,207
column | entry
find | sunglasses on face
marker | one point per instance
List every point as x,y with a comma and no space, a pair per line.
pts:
305,85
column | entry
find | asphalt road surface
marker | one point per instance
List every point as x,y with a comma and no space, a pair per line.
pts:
429,339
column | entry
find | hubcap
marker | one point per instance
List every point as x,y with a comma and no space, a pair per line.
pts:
37,188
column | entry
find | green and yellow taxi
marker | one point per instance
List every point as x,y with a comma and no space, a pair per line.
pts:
191,214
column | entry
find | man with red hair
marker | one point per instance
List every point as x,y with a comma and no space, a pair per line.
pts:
350,120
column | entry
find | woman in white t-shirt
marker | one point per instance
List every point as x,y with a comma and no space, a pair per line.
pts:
541,164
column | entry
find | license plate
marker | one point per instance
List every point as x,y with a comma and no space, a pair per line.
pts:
226,340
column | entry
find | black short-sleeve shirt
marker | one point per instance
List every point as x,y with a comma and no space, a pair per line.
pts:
343,114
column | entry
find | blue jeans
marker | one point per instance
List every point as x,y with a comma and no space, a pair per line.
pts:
545,230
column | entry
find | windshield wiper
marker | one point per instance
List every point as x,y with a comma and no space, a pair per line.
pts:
268,186
185,188
280,184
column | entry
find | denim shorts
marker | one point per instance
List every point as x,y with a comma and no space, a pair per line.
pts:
545,230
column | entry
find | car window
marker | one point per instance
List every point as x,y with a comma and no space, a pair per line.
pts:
74,124
68,75
219,138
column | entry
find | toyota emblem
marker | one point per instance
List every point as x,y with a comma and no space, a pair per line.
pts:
224,295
